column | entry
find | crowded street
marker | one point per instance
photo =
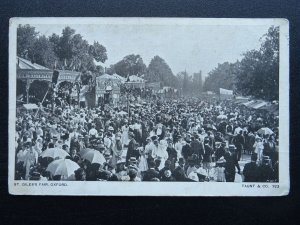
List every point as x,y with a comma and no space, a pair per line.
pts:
187,139
84,113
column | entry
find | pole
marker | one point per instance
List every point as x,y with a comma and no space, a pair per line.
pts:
42,101
78,98
27,96
27,90
78,93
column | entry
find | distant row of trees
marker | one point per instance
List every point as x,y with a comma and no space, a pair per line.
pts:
256,74
158,71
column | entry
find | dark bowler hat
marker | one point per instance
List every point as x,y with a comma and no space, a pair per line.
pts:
254,157
231,147
154,137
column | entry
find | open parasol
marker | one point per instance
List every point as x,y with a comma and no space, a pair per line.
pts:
63,167
54,153
94,156
265,130
122,113
222,117
85,150
209,127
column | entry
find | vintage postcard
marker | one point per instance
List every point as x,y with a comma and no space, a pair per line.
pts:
149,107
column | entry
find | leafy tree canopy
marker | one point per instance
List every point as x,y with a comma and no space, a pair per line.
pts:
159,71
129,65
257,74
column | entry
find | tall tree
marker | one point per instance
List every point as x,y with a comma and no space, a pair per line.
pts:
43,53
259,69
26,37
159,71
130,65
98,52
197,83
223,76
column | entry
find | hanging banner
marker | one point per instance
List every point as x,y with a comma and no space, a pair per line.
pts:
225,92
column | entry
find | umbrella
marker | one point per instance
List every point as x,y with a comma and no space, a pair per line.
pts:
85,150
122,113
265,130
237,130
54,153
94,156
222,117
209,127
63,167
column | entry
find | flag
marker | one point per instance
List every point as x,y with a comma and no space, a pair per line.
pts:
55,76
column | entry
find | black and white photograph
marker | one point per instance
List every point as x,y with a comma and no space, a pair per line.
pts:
149,106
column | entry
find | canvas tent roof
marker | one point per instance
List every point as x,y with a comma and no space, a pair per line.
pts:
240,101
26,64
273,108
249,103
258,104
135,78
107,76
30,106
122,79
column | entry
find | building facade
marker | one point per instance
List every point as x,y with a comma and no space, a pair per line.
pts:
107,90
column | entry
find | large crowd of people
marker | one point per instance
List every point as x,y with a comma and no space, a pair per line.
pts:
187,139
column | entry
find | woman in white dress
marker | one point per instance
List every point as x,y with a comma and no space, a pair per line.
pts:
178,148
125,131
143,165
160,152
117,150
258,149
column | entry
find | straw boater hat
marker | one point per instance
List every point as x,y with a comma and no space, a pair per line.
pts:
107,154
221,161
121,161
132,160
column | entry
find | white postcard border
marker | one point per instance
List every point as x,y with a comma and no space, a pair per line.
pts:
156,188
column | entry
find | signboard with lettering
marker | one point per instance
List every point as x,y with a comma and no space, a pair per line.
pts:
154,85
32,74
226,94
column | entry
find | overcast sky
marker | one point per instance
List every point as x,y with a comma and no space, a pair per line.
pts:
191,48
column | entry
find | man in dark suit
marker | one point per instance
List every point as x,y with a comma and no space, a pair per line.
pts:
179,173
131,152
231,163
239,142
73,156
186,149
151,172
220,150
197,148
250,171
172,153
167,167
